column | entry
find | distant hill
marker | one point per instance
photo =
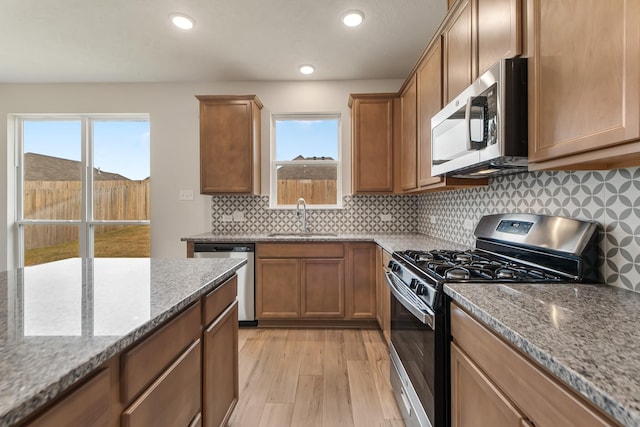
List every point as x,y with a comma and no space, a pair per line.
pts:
38,167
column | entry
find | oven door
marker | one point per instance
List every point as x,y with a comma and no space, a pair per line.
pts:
419,370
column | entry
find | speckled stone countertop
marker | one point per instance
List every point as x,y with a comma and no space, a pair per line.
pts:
586,335
390,242
61,320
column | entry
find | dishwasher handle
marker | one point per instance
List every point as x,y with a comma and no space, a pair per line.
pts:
224,247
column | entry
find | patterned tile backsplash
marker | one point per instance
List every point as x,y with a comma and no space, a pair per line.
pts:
611,198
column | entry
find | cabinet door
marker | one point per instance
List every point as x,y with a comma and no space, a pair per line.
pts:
429,76
322,288
408,143
372,143
174,398
277,288
360,287
220,389
458,52
584,79
499,33
229,145
89,405
475,400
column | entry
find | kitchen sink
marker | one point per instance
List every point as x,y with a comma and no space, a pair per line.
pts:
302,235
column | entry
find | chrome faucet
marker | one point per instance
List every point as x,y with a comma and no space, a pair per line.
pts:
303,214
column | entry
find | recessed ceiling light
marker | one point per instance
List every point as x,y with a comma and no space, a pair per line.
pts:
352,18
182,21
307,69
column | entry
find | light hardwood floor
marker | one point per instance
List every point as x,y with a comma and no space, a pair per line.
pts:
314,377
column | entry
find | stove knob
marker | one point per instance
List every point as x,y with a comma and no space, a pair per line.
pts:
414,284
421,290
391,265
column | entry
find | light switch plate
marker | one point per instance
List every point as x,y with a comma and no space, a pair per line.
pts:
432,219
238,216
185,195
227,218
468,225
386,217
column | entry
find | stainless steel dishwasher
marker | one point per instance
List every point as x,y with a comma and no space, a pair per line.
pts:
246,288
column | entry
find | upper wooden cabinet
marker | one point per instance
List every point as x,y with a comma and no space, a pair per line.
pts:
229,144
458,64
422,97
498,31
372,142
476,35
408,144
584,84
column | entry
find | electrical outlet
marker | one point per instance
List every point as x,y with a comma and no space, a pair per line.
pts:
468,224
386,217
227,218
238,216
432,219
185,195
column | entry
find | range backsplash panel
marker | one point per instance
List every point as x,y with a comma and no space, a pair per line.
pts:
612,198
360,214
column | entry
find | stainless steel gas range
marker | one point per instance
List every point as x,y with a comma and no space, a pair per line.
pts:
510,249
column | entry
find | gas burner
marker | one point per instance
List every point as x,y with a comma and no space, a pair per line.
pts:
457,273
505,273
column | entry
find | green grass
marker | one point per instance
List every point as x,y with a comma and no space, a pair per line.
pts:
130,242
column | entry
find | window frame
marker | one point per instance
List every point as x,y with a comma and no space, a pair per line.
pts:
86,224
273,163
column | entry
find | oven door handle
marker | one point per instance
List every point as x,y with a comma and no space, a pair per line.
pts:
426,315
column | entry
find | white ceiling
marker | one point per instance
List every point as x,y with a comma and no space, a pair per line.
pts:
133,40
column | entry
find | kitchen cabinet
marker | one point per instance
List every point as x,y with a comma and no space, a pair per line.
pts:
174,398
476,35
383,295
299,281
408,142
492,383
220,380
425,90
89,404
584,84
220,388
315,283
372,131
458,64
229,144
360,286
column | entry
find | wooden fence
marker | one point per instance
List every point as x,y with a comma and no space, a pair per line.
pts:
314,191
62,200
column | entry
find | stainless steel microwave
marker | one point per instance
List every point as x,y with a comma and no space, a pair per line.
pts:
483,131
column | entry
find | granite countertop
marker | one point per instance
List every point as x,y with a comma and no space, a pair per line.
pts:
586,335
389,242
61,320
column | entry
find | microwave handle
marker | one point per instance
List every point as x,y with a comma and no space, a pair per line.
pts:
467,120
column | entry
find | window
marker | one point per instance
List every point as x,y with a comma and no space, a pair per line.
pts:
306,160
64,210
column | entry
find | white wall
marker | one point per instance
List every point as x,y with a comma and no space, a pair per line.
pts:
174,138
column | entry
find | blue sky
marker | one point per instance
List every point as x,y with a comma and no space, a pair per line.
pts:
306,137
119,146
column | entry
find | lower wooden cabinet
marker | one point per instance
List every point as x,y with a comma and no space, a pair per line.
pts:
494,384
174,398
220,388
315,281
88,405
383,295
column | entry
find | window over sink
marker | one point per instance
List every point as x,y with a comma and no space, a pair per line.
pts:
305,160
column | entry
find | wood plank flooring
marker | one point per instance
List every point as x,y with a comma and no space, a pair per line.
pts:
314,377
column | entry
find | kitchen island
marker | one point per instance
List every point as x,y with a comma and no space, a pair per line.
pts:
62,321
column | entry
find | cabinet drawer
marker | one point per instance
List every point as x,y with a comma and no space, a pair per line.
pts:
144,362
300,250
543,400
89,405
174,398
220,298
